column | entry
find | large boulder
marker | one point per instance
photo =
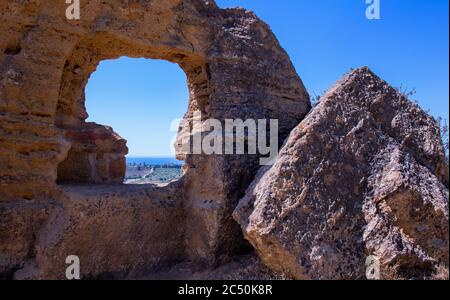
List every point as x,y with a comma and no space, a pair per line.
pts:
363,175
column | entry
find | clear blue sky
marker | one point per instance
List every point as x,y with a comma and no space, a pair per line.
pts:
325,38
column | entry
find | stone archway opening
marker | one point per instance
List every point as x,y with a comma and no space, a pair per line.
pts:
139,103
97,154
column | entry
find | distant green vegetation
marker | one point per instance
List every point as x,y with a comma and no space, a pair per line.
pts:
157,174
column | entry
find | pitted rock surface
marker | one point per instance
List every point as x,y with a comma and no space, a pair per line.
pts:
363,174
235,68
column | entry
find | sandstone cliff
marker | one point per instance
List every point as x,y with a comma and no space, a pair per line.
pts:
235,68
363,174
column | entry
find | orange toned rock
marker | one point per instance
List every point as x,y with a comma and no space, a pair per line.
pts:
116,231
97,156
235,68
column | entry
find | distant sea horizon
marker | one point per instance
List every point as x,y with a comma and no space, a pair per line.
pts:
155,160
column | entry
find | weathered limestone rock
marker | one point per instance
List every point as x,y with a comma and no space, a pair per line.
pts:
97,155
19,223
117,232
235,68
363,174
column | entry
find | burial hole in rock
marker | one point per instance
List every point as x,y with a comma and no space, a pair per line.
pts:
139,103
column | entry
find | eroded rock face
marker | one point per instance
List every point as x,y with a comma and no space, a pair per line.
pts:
235,68
117,232
97,155
363,174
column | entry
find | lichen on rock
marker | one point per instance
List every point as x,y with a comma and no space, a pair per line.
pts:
363,174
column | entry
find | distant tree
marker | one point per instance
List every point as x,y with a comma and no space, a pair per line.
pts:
443,124
407,92
315,98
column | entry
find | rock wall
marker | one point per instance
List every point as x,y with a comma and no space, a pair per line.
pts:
97,155
117,232
362,174
235,69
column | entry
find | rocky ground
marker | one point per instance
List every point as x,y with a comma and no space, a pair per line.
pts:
244,267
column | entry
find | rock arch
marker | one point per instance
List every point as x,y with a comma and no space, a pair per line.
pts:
235,68
103,161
